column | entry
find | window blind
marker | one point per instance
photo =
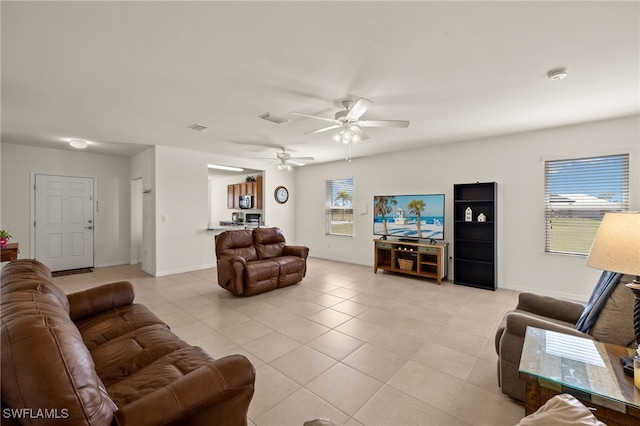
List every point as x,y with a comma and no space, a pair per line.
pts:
578,192
339,206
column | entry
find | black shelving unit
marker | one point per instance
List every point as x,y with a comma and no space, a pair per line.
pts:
475,242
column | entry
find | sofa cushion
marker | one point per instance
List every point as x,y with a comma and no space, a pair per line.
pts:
270,242
102,328
37,332
615,321
260,276
158,374
291,270
20,282
126,355
236,243
561,410
26,266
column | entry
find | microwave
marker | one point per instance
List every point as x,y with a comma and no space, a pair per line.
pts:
246,201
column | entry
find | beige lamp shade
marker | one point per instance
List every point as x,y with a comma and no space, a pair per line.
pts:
617,244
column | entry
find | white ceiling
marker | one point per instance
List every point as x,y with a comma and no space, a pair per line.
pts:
125,75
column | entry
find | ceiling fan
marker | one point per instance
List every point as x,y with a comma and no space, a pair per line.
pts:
349,122
286,160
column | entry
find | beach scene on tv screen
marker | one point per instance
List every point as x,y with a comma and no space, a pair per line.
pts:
409,216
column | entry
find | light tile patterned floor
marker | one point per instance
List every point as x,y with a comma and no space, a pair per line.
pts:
345,343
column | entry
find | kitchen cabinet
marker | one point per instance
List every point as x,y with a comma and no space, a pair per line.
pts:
234,191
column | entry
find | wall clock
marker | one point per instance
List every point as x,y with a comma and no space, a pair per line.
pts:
281,194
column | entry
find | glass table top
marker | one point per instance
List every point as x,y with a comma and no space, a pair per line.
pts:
563,362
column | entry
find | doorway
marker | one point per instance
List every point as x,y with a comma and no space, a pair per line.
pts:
136,222
64,224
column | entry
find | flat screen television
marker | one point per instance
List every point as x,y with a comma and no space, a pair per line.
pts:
409,217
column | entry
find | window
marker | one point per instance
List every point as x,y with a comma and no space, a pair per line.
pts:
578,192
339,210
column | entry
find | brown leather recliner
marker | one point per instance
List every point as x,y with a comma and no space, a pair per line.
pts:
96,358
255,261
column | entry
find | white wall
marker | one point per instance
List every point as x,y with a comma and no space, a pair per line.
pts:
181,211
179,183
112,194
515,162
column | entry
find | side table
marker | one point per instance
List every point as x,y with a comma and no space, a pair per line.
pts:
553,363
10,252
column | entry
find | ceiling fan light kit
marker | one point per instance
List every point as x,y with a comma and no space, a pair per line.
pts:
349,123
284,167
286,161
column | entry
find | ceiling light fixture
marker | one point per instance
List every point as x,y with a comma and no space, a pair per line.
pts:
557,74
78,143
198,127
227,168
346,136
284,167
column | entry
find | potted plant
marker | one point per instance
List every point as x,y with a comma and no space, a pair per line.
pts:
4,238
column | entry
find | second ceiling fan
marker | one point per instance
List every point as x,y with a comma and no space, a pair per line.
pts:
349,121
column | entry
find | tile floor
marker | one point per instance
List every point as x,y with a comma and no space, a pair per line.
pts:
345,343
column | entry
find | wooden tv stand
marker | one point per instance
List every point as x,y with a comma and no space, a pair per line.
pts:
419,259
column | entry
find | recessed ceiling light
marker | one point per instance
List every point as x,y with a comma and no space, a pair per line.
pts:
198,127
557,73
78,143
228,168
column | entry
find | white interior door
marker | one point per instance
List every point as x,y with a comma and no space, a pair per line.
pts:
64,221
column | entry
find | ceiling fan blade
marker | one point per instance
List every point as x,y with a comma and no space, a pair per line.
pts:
360,107
358,131
383,123
296,163
303,158
324,129
317,117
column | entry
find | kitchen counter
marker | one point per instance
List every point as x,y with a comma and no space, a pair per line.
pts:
230,226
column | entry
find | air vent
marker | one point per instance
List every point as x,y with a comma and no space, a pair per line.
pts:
198,127
273,118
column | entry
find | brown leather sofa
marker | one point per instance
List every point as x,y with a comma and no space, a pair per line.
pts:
614,325
253,261
96,358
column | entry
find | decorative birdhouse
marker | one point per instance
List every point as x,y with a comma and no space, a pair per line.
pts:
468,215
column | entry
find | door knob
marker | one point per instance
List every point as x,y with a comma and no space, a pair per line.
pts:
88,227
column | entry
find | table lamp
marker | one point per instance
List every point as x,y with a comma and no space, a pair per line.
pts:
616,248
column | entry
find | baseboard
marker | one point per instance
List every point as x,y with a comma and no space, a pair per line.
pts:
338,259
183,270
556,294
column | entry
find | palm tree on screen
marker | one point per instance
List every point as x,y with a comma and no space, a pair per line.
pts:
383,207
415,207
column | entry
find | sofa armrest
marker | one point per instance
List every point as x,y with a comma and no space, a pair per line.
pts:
517,324
100,299
551,307
217,393
231,273
299,251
